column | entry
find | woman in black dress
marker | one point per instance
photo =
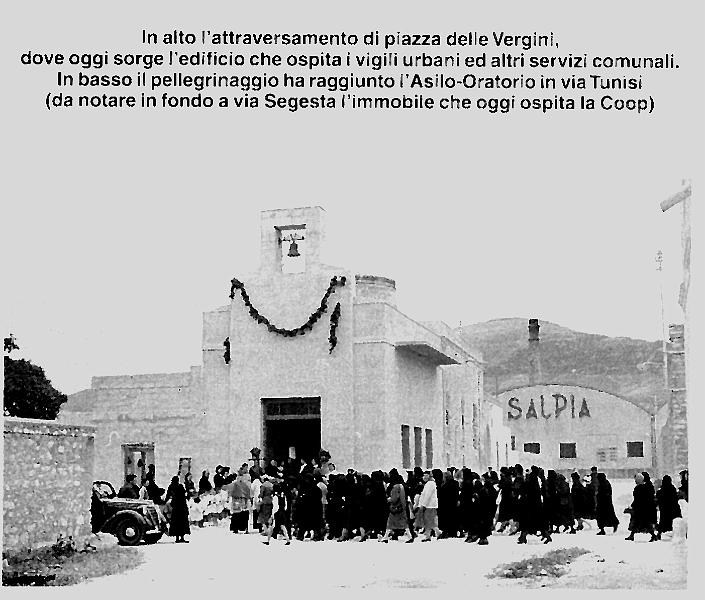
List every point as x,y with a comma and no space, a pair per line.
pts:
652,490
179,525
642,509
486,509
604,511
578,495
532,516
551,506
448,494
565,504
189,485
507,508
204,484
668,507
466,505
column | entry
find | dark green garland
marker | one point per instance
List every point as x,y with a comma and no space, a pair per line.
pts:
335,281
334,318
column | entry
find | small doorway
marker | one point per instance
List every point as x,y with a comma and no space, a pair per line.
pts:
291,428
136,459
184,467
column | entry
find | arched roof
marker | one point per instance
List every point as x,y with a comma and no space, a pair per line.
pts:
584,387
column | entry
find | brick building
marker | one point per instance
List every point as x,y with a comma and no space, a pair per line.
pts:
305,356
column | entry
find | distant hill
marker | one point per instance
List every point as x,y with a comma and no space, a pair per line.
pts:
625,367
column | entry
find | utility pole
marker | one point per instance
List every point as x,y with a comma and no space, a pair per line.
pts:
664,335
676,351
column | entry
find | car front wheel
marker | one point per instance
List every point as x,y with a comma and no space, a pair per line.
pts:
129,531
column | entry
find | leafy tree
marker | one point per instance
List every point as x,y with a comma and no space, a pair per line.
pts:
28,392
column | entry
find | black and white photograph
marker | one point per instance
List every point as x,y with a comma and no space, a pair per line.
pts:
321,298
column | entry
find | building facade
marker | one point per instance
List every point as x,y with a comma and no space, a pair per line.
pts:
568,428
573,427
304,356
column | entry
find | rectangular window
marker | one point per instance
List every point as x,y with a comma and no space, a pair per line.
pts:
405,447
418,447
607,454
429,449
567,450
532,448
635,449
514,442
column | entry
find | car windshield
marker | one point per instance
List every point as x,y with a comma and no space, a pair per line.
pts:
103,489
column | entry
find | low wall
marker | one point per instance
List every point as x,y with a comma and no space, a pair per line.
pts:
47,479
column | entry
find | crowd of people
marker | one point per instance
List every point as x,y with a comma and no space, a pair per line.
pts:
308,500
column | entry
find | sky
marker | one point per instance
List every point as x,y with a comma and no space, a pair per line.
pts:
121,229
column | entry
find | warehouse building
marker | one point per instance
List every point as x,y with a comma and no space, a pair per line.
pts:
573,427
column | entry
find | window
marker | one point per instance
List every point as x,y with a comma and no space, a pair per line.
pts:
418,449
607,454
514,442
567,450
281,407
532,448
405,447
429,449
635,449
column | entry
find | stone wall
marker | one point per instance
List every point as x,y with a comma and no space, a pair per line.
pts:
677,438
47,478
164,411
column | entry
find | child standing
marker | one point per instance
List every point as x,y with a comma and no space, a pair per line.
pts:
209,508
224,505
195,511
279,519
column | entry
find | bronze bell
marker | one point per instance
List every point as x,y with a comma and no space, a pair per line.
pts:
293,249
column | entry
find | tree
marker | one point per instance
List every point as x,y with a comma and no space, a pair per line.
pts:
28,392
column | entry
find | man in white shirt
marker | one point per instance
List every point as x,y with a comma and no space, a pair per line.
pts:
428,503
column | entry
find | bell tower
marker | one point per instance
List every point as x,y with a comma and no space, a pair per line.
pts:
291,239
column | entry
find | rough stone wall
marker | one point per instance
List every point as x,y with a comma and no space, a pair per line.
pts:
165,410
47,479
677,440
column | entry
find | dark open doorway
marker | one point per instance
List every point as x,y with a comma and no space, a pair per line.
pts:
136,460
291,428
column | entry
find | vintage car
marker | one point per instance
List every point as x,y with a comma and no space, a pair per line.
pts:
130,521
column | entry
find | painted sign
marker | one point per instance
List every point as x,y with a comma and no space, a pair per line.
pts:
551,407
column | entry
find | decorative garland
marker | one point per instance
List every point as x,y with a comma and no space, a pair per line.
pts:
335,281
334,318
226,354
